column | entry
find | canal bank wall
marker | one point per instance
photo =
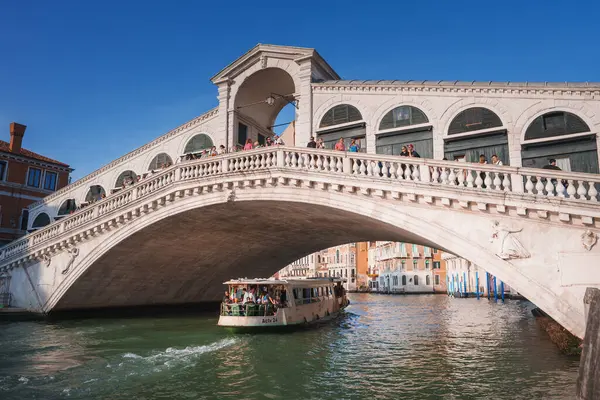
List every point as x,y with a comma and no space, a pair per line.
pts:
566,342
588,381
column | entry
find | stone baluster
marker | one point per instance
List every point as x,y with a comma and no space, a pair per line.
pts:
435,176
444,177
470,178
549,188
415,173
497,181
355,168
385,170
287,160
406,172
326,164
319,163
593,192
339,165
506,183
370,171
452,177
539,185
571,191
393,170
529,185
478,179
487,181
581,190
362,168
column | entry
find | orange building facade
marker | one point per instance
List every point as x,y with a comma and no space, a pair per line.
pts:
25,178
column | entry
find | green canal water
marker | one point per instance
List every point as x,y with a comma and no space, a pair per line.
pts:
384,347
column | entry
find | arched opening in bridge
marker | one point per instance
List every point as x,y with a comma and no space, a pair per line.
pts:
259,100
160,161
343,121
125,178
402,126
476,131
67,207
40,221
95,193
198,143
564,137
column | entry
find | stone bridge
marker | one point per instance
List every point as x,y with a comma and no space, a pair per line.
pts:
175,236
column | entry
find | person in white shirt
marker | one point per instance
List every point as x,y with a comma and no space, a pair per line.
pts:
496,160
248,297
278,140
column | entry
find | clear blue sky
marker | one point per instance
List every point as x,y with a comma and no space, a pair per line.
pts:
93,80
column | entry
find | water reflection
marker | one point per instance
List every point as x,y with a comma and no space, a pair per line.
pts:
385,347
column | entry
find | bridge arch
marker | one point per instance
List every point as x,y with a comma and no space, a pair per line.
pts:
196,141
313,220
40,220
94,193
259,98
476,130
159,160
401,125
125,177
342,121
66,207
560,133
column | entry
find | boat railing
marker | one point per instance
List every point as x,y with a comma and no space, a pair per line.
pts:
247,310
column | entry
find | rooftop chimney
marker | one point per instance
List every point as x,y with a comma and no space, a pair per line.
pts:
17,131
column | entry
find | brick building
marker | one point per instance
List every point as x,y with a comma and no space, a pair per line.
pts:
25,177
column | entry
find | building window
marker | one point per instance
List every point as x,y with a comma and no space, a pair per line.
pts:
474,119
261,140
416,280
436,265
403,280
242,134
50,179
427,280
337,256
415,266
403,265
415,249
437,279
352,273
24,219
33,177
3,170
341,114
162,160
555,124
41,220
401,117
435,250
198,143
426,264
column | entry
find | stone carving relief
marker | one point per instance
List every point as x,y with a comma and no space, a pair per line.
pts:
509,247
74,252
263,61
589,239
47,260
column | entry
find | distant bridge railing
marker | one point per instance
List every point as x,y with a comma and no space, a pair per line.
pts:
578,188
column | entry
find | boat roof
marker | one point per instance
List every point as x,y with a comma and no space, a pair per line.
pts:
272,281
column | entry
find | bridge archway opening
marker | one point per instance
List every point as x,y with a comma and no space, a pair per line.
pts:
476,131
258,102
125,178
564,137
67,207
402,126
343,121
95,193
161,160
198,143
40,221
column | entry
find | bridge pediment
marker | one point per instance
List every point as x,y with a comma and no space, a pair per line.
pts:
261,53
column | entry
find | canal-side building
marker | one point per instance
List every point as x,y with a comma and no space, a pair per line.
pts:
466,278
348,261
407,268
25,178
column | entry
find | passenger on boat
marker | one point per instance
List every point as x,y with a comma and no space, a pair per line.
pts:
266,299
248,296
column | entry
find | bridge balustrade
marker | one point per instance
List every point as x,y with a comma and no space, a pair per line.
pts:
536,183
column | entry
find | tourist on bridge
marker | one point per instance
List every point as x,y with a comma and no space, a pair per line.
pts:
320,143
269,142
412,152
248,145
339,146
311,143
354,146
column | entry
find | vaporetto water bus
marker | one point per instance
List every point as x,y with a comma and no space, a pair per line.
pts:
250,303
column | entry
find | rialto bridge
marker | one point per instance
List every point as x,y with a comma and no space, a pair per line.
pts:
180,231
